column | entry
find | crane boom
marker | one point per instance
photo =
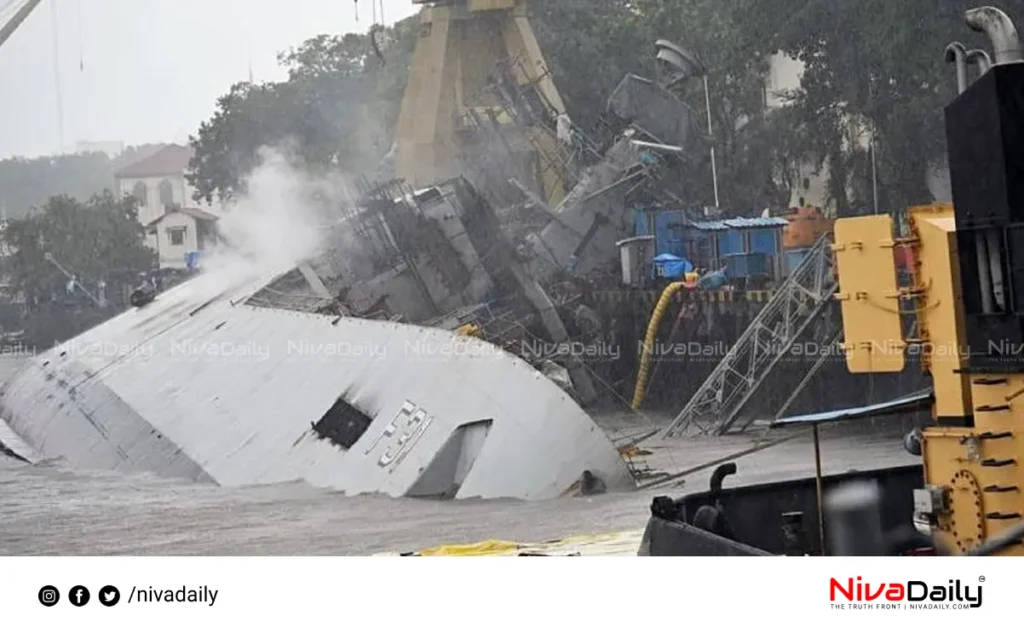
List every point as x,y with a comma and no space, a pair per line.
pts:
452,90
7,30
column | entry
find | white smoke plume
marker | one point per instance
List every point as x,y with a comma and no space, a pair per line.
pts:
280,221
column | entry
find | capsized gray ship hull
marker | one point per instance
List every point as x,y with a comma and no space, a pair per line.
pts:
200,385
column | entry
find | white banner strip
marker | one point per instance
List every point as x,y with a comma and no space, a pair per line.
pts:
557,593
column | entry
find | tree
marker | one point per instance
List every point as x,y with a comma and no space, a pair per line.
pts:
589,48
26,184
876,61
97,241
872,69
336,110
757,151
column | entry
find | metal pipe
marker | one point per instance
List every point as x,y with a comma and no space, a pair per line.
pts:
855,520
660,146
957,53
819,486
1000,31
984,273
874,170
995,264
714,168
980,59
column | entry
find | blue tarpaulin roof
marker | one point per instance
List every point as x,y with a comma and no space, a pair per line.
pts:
670,266
668,257
915,401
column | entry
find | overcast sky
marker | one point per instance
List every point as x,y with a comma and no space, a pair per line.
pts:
141,71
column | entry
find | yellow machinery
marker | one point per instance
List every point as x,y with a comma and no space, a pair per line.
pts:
450,91
963,293
971,475
959,304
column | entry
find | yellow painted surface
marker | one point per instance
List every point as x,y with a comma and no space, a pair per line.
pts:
868,294
612,544
981,487
940,312
458,47
490,5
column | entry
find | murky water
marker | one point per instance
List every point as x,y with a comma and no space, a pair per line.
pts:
46,509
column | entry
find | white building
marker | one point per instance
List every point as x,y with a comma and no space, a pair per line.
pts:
176,224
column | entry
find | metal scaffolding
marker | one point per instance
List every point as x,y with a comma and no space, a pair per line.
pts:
798,308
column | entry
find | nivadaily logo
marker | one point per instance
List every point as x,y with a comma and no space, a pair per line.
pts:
913,594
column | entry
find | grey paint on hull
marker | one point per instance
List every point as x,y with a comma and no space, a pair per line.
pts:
200,385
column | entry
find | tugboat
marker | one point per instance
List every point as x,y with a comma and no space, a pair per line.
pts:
965,497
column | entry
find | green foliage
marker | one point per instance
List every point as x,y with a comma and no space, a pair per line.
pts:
589,47
336,110
880,62
757,152
96,240
873,69
26,184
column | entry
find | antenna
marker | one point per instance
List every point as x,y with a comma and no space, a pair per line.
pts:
56,75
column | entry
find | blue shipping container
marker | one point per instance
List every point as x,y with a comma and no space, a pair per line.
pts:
667,230
668,233
765,241
745,265
730,242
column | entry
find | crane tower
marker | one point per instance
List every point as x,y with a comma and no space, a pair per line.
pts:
453,86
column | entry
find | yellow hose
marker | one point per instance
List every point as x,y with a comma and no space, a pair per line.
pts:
652,333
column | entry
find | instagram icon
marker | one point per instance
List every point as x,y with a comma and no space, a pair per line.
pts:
49,596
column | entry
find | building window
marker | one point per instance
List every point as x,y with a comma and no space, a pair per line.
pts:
176,236
166,193
139,193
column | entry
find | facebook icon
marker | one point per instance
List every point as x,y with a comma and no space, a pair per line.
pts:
79,596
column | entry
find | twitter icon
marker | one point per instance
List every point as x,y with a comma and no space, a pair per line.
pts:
109,596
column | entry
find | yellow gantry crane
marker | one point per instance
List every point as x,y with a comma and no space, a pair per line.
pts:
460,43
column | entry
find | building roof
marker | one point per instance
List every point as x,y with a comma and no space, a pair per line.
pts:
919,400
198,214
739,223
756,223
169,160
